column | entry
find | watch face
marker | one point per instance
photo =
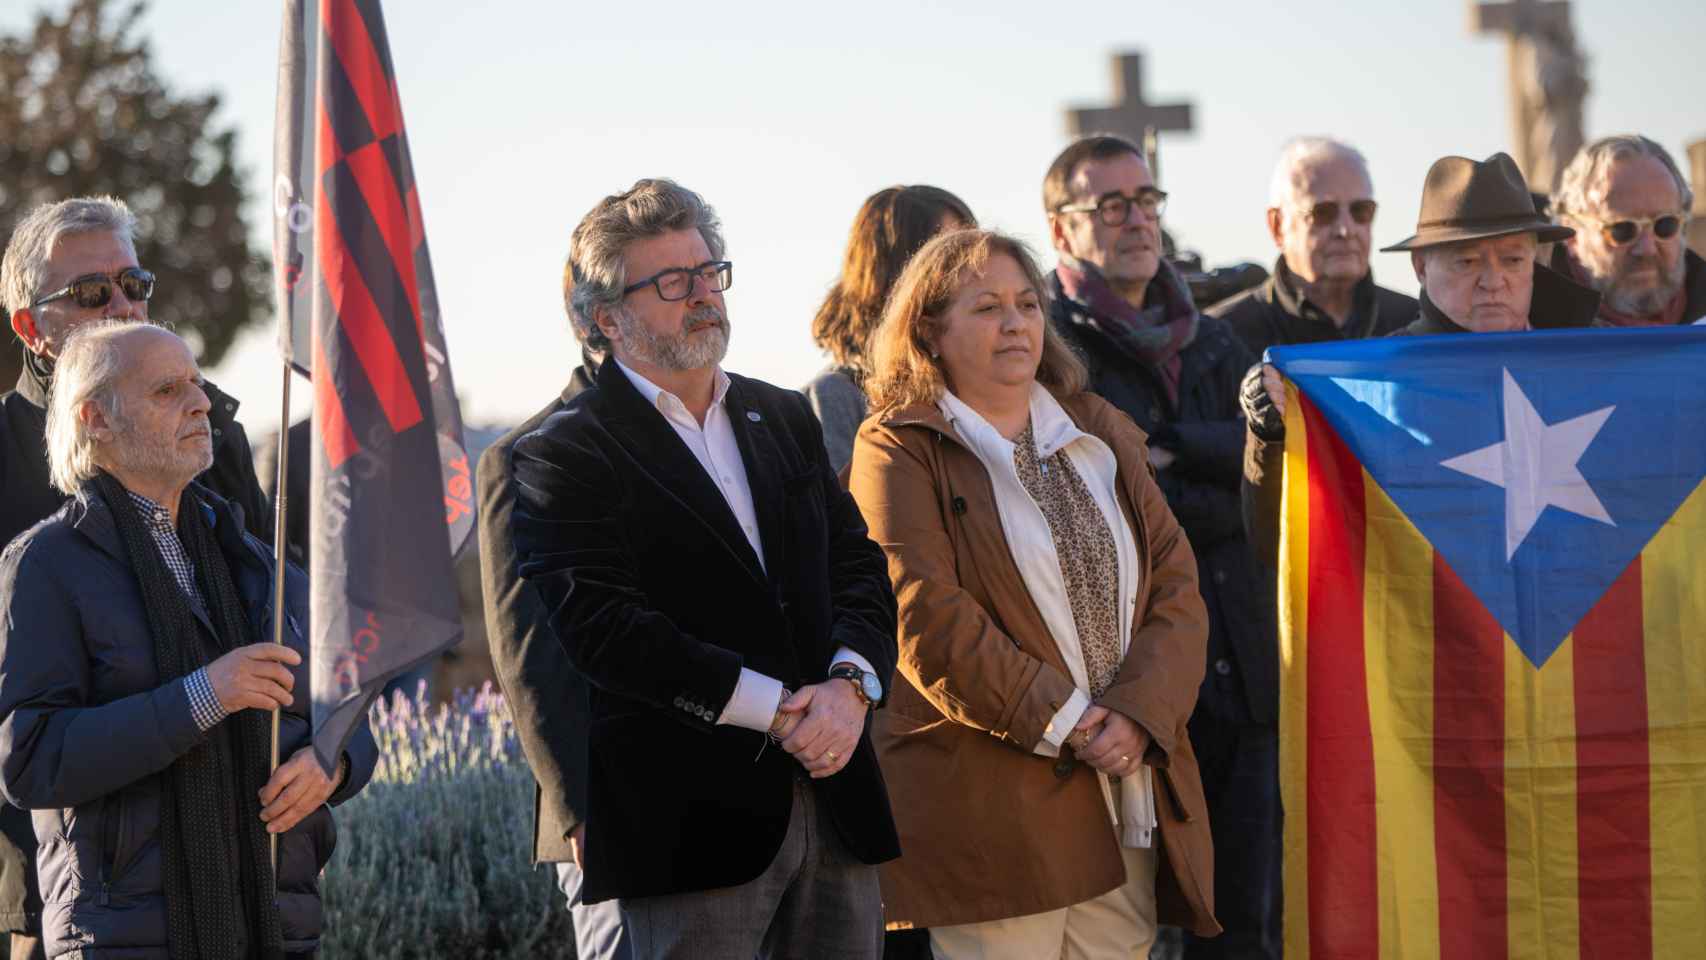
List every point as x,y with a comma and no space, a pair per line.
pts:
873,689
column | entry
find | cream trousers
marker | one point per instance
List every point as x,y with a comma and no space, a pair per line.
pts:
1118,925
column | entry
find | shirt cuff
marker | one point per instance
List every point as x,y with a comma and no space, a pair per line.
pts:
754,703
848,655
1062,723
204,703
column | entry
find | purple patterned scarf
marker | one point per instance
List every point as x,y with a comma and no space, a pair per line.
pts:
1154,334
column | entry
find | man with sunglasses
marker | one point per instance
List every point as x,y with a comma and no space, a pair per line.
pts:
1129,314
697,559
68,263
1321,218
1629,204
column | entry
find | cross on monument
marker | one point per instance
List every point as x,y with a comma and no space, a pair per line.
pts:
1697,227
1521,21
1130,116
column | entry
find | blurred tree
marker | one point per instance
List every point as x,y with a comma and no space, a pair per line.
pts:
82,111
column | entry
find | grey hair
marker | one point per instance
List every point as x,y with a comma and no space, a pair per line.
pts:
1590,162
1303,153
597,266
24,270
87,370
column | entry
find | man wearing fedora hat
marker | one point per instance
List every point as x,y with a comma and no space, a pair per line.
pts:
1475,251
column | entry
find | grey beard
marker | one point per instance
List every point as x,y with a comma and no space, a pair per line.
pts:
139,459
1647,301
681,351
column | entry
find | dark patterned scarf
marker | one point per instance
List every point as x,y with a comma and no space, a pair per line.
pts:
1153,334
216,856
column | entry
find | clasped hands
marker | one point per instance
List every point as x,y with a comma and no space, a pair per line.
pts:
1108,741
820,726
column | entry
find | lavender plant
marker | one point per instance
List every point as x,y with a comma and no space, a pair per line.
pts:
433,858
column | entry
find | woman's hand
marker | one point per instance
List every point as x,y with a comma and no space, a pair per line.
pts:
1117,750
1088,726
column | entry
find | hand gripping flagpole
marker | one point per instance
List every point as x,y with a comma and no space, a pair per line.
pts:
281,503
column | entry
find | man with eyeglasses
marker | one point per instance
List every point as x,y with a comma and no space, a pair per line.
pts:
1629,204
1129,314
697,560
1320,215
68,263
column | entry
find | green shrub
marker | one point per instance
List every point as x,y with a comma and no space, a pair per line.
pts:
433,857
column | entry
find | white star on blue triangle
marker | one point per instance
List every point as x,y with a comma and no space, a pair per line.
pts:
1538,465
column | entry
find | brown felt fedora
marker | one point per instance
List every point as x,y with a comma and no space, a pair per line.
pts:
1466,200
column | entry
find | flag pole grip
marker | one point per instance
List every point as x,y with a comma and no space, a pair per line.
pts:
281,503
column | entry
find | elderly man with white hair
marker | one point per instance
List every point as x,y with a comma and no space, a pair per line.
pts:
1629,204
135,685
69,263
1320,215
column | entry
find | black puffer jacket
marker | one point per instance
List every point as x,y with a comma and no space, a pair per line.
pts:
1205,431
87,728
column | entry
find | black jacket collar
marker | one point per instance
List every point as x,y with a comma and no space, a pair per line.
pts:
1288,296
641,428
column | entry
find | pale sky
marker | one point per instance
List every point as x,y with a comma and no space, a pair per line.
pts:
521,115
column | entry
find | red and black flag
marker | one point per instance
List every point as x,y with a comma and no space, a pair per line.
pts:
391,492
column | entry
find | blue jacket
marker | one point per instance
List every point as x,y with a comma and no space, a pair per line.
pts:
87,728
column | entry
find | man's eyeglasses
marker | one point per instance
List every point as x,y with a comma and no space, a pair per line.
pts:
1114,209
1623,232
1326,213
95,290
676,283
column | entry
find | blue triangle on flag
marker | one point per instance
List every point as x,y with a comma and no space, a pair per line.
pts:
1537,524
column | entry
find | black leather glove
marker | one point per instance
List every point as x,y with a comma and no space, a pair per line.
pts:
1259,411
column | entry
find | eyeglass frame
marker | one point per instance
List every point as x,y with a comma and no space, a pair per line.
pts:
694,275
113,279
1641,224
1095,206
1339,206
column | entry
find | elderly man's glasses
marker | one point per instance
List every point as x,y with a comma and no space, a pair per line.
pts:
95,290
1326,213
676,283
1114,209
1623,232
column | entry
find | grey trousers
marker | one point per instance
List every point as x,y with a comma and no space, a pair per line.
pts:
598,926
814,902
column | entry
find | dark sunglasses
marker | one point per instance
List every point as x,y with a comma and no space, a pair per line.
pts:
1326,213
1624,232
96,290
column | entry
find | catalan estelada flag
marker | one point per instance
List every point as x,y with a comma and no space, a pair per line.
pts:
1493,646
391,490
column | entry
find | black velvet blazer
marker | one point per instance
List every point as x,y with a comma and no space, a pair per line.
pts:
659,601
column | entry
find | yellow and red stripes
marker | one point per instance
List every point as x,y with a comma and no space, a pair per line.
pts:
1445,797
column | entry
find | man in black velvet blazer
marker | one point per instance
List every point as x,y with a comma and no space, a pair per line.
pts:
709,577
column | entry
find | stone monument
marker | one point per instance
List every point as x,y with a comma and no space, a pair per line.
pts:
1130,116
1547,83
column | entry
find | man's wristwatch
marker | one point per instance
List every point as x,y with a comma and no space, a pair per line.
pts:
866,686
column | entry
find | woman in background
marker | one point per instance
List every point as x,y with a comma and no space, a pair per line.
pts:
1051,634
891,226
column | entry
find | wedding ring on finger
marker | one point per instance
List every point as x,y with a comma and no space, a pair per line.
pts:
831,755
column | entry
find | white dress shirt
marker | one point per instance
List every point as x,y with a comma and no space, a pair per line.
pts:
1031,544
713,444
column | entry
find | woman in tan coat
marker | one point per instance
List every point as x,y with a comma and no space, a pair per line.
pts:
1051,633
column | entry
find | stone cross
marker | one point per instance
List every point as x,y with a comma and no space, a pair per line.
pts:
1697,227
1547,81
1130,116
